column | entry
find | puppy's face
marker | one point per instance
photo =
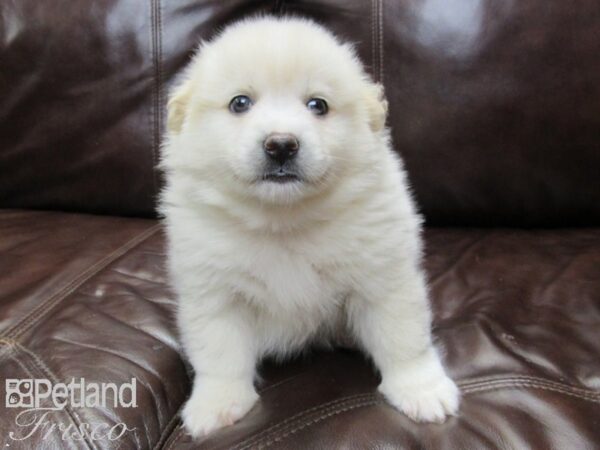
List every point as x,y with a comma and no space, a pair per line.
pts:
275,110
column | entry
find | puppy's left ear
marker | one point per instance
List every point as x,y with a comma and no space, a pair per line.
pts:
377,106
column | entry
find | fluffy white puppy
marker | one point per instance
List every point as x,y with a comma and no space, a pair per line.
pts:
289,219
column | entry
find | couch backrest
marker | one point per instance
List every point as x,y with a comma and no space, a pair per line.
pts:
494,104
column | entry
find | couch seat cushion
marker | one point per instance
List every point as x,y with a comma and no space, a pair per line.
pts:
517,313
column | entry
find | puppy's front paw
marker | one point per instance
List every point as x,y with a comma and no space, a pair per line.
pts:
216,404
423,402
421,389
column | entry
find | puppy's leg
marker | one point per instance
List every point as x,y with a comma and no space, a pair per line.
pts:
396,333
221,348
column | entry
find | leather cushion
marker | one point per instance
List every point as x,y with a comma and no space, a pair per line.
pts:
517,313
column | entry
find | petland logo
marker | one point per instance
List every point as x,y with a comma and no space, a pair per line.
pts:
32,392
39,397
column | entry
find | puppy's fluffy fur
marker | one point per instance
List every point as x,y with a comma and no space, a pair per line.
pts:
265,268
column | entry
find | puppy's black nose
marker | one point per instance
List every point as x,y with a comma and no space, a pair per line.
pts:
281,147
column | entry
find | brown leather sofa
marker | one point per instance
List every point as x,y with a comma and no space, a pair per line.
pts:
495,107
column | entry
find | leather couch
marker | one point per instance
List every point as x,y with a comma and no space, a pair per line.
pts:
495,107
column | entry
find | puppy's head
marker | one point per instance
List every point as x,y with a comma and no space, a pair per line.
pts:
274,109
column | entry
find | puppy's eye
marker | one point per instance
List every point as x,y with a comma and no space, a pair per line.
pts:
317,106
240,104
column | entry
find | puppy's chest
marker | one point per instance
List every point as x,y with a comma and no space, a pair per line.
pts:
294,275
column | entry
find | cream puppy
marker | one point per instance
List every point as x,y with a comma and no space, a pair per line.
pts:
289,219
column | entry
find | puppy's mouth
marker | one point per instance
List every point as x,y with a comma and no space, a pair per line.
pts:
281,176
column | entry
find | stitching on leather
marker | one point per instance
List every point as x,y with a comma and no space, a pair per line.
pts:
40,367
318,419
531,382
380,18
247,443
176,438
373,41
154,108
156,13
527,378
306,418
46,306
530,385
467,387
169,429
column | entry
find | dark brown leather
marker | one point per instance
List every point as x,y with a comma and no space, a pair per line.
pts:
495,106
516,311
82,95
85,296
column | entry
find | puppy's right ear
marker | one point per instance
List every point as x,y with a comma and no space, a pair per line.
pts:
177,106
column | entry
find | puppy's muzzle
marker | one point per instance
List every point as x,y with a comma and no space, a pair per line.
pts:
281,147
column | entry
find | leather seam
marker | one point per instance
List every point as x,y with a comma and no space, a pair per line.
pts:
474,388
380,39
498,378
157,66
39,366
373,40
333,412
529,382
50,303
176,438
252,440
279,431
491,381
169,429
500,386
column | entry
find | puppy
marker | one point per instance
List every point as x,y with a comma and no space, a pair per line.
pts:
289,218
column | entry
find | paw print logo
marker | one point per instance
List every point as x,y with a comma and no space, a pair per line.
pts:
19,393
